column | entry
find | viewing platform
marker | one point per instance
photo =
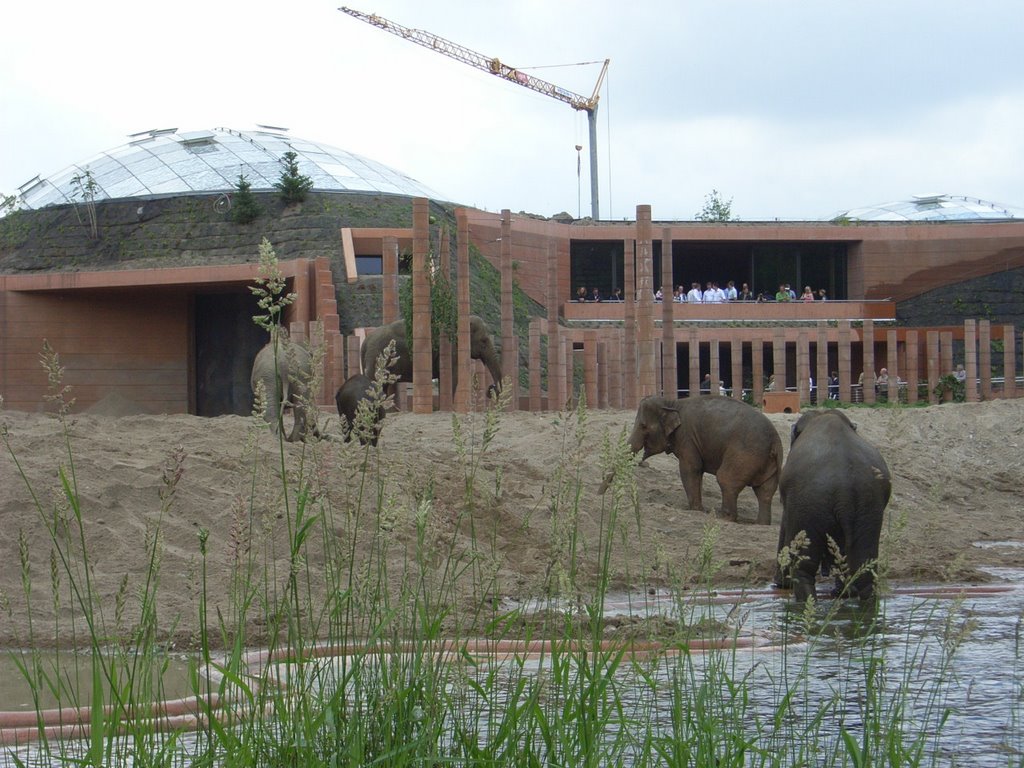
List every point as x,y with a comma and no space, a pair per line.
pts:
740,311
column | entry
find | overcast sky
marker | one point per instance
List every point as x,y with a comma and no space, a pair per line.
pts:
792,109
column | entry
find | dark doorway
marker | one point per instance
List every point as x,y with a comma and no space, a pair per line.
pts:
226,341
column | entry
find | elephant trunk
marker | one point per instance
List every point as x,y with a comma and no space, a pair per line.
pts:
636,442
493,364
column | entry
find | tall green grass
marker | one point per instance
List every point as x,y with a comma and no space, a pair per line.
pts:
417,684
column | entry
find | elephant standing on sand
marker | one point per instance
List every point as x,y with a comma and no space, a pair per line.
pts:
835,484
285,382
719,435
358,389
481,347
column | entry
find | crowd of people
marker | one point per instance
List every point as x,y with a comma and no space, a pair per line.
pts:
713,293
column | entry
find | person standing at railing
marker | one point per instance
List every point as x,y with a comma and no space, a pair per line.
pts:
808,294
783,294
694,296
822,296
745,294
581,293
833,386
731,294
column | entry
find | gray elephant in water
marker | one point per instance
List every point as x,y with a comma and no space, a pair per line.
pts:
835,485
481,347
725,437
356,390
285,383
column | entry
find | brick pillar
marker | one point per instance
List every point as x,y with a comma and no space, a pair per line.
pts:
985,358
462,345
736,356
445,367
389,283
422,357
715,368
568,363
803,368
602,373
946,352
354,345
509,347
970,359
694,378
845,362
821,358
1009,362
893,364
615,370
590,368
868,349
669,385
779,359
912,367
556,373
645,306
535,400
629,358
934,364
757,369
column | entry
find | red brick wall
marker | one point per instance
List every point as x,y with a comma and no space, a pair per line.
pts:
130,343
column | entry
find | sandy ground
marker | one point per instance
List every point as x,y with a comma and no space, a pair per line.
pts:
957,471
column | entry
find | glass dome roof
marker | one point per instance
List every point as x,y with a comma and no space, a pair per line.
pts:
165,162
934,208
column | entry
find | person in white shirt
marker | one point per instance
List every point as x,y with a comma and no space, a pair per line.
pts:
709,294
731,294
720,296
695,296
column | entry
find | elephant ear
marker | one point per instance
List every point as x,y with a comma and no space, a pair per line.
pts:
670,419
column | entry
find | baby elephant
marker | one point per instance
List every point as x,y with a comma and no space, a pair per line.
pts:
725,437
358,390
835,485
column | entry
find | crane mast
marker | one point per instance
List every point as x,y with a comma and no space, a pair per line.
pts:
495,66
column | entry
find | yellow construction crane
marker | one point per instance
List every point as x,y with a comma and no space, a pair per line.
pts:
496,67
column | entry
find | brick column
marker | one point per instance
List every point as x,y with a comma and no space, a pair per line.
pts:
602,372
779,359
464,371
389,283
803,368
354,345
716,365
970,359
1009,362
645,306
590,368
893,364
845,362
630,359
445,368
568,361
509,347
985,358
556,373
669,385
913,362
757,369
821,358
868,350
934,363
694,355
535,399
422,357
615,370
736,357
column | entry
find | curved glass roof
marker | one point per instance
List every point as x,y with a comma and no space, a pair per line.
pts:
934,208
165,162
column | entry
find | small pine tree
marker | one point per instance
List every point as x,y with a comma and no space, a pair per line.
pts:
292,185
715,208
244,207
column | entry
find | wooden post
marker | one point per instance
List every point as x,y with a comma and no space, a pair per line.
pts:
422,354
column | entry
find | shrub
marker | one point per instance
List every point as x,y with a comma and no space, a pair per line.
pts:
292,185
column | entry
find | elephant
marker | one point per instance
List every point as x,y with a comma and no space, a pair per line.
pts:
719,435
481,347
835,484
358,389
285,386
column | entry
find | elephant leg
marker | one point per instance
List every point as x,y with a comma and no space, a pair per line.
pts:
764,493
692,481
730,495
862,556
